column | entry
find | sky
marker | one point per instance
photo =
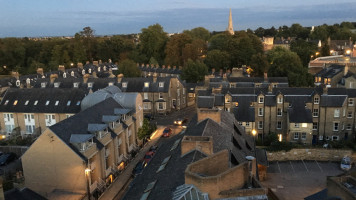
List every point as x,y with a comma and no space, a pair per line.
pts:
39,18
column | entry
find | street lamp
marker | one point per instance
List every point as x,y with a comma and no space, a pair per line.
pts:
87,172
348,52
254,132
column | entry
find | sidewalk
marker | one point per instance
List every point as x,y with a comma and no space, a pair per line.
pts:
120,182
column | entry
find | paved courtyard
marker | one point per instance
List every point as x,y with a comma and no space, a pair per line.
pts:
295,180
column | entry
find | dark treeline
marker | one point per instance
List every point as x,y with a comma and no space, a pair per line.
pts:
197,48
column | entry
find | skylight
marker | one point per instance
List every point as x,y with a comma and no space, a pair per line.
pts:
57,102
68,103
35,102
163,164
78,103
26,102
47,102
150,186
15,102
6,102
174,146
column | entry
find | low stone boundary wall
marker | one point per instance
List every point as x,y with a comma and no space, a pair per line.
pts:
311,154
18,150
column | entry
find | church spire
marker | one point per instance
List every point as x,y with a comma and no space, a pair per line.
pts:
230,29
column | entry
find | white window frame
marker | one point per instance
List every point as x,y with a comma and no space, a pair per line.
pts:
279,112
336,126
260,112
315,112
349,114
315,124
161,84
296,125
260,124
124,84
349,127
336,112
147,84
279,124
351,102
280,100
261,99
303,136
316,100
296,136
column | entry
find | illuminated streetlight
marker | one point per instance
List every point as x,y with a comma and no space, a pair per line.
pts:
348,52
317,53
254,132
331,51
87,172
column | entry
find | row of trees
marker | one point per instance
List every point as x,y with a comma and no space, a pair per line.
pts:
197,50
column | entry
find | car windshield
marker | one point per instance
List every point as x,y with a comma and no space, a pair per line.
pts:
345,162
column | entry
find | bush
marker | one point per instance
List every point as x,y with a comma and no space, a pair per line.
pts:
280,146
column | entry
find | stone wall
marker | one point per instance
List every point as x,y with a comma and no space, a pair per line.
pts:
310,154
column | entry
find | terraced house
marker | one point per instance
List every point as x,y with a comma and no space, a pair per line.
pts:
305,115
86,151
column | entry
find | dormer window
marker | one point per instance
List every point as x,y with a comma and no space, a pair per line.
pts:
68,103
236,104
261,99
18,83
111,83
57,102
47,102
147,84
35,103
75,85
124,84
90,85
280,100
43,85
161,84
56,85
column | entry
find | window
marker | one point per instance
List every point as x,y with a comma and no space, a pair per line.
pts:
124,84
240,123
348,127
335,137
68,103
147,84
35,102
279,111
260,111
296,136
315,112
183,100
337,112
146,105
161,105
260,124
145,95
315,125
247,124
279,124
160,95
351,102
56,84
178,92
349,114
68,115
304,136
6,102
227,99
280,100
261,99
43,85
183,91
26,103
304,125
78,103
296,125
75,85
57,102
316,100
47,102
15,102
236,104
336,126
161,84
90,85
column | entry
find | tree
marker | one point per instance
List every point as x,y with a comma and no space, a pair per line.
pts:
129,69
145,130
285,63
174,49
198,33
218,59
325,50
153,41
304,49
89,41
259,64
219,41
194,72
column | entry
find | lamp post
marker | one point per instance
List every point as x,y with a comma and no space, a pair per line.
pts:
254,133
87,172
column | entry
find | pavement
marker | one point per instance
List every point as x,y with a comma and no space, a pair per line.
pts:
295,180
121,181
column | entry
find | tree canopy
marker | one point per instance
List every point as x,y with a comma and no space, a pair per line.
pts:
194,71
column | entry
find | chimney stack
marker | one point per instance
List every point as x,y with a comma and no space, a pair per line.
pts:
85,78
40,71
15,74
61,68
94,75
80,65
163,66
53,77
119,78
95,63
265,77
154,77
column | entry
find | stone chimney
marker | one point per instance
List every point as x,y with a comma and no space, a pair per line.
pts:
214,114
201,143
163,66
180,67
174,67
80,65
346,69
111,74
119,78
169,67
85,78
96,63
152,66
265,77
100,62
40,71
53,77
212,70
325,89
61,68
15,74
94,75
87,62
147,65
157,66
154,77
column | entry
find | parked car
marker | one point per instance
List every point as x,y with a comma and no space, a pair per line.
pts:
7,158
138,168
167,132
153,148
148,156
346,163
180,121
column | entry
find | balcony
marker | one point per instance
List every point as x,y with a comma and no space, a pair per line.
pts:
105,138
108,171
93,186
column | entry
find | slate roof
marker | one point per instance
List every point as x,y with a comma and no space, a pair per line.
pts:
351,93
26,100
167,179
23,194
165,70
244,112
257,79
205,101
137,84
299,114
78,124
332,101
331,71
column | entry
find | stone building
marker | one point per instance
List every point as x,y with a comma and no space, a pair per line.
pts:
89,148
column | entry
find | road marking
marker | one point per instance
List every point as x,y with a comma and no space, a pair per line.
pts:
278,167
292,166
305,166
319,166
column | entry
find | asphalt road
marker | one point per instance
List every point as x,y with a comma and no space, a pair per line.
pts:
165,120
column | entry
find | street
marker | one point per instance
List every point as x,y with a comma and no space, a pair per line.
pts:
165,120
